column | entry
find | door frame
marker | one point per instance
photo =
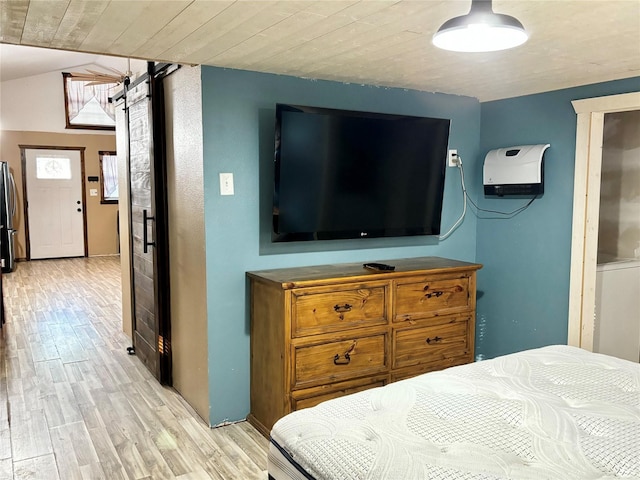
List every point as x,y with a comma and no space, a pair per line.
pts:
25,202
586,211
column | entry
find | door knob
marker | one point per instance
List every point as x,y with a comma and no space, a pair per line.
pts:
78,202
79,209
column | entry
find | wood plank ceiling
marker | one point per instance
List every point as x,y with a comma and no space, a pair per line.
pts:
375,42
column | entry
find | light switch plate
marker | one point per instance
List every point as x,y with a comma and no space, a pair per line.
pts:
226,184
93,192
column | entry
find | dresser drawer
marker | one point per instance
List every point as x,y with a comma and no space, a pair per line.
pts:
420,298
409,372
354,306
336,361
436,344
311,397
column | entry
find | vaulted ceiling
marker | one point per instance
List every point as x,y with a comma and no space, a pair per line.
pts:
376,42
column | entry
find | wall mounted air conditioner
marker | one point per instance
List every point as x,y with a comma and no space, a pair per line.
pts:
515,170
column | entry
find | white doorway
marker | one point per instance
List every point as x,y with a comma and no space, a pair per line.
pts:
586,205
54,207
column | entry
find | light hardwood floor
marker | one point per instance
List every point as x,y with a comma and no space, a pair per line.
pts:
74,405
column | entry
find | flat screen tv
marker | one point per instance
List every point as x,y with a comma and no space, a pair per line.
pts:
346,174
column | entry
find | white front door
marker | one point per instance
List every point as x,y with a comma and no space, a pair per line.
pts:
55,203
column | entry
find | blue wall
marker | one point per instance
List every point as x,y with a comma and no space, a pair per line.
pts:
238,121
524,285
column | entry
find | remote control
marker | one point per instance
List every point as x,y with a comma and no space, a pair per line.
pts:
381,267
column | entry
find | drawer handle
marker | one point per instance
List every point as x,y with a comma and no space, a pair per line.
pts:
434,294
344,361
347,356
342,308
434,339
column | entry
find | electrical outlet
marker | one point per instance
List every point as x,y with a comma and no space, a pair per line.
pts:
453,158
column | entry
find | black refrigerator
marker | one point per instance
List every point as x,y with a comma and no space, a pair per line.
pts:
7,212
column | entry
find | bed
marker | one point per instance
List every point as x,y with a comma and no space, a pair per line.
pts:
556,412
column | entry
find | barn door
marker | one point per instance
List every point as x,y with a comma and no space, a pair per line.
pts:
148,229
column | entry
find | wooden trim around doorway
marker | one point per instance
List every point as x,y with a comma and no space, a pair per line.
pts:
25,202
586,203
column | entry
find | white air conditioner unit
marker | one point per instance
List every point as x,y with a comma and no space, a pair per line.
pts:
515,170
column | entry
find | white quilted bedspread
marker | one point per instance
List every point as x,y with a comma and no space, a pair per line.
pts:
552,413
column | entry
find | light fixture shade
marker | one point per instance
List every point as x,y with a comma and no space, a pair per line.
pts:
481,30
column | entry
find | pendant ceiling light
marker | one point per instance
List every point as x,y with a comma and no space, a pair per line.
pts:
480,30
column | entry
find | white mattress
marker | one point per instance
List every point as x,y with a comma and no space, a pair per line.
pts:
552,413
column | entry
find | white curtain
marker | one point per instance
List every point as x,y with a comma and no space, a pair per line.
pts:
79,94
110,176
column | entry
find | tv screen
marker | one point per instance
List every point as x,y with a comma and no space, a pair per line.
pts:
345,174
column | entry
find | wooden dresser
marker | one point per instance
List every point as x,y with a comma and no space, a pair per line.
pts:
325,331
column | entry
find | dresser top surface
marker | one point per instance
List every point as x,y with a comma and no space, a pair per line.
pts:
304,276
